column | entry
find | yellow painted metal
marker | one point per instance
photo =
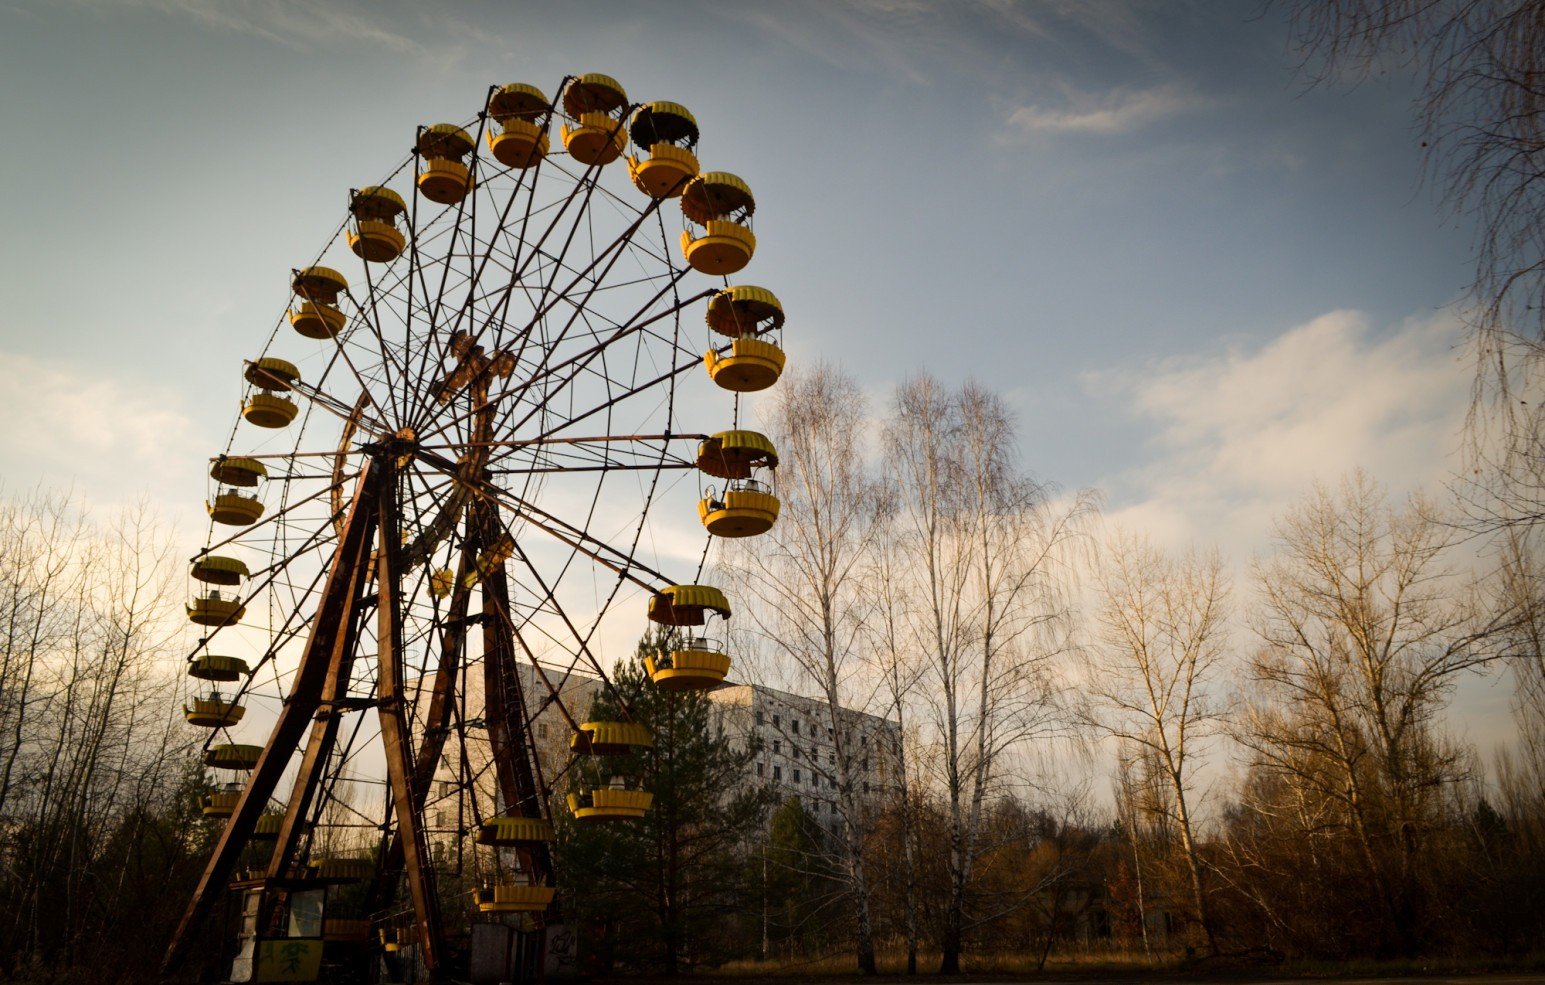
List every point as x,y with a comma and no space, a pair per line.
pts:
319,284
517,101
688,670
377,202
514,897
508,830
716,194
606,804
210,611
444,181
317,321
733,454
346,930
751,365
237,471
219,803
723,249
742,513
610,738
375,241
597,140
269,411
441,582
211,667
664,171
519,144
267,826
593,93
444,140
269,373
688,605
342,869
663,121
216,570
235,509
209,713
232,756
287,959
744,310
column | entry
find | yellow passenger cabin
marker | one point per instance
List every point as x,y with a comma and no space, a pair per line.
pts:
507,830
318,316
374,236
212,607
265,407
611,803
610,738
444,177
747,505
666,135
512,896
221,801
232,756
213,710
267,826
523,114
230,505
597,133
718,239
688,661
751,317
213,667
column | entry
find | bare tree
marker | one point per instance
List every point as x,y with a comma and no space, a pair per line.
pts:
1365,630
807,577
988,551
1161,647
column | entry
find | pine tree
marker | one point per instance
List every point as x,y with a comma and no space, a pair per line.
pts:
668,888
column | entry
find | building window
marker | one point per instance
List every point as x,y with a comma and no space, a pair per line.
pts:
831,759
777,746
758,769
796,776
777,772
775,721
541,731
866,782
759,718
794,723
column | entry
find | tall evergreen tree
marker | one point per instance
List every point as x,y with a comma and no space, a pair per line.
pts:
669,888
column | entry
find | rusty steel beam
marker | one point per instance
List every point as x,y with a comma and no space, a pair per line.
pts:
305,695
394,725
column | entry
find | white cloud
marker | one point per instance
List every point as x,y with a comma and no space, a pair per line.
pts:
1118,111
1240,436
113,440
303,26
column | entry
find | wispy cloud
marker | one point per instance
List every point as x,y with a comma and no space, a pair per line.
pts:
291,23
1241,435
112,440
1119,111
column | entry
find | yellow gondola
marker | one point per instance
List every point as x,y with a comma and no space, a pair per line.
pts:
221,802
318,316
232,756
514,897
341,870
747,315
267,826
693,664
609,804
687,605
213,711
595,103
375,237
666,133
736,454
234,509
445,177
213,569
235,471
215,609
523,113
718,206
610,738
211,667
271,377
506,830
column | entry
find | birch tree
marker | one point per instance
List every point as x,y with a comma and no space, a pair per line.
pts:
1160,650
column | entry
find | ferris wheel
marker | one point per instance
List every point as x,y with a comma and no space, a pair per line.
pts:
457,456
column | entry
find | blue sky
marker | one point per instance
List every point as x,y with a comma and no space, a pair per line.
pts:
1202,284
